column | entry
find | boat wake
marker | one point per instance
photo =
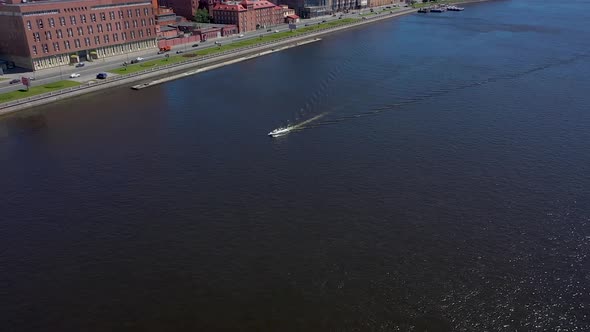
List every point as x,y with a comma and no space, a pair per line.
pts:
282,131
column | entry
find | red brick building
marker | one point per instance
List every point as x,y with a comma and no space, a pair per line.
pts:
249,15
185,8
43,34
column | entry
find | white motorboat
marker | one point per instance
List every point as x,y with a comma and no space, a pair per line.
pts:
279,132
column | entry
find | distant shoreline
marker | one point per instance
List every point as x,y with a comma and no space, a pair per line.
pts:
216,61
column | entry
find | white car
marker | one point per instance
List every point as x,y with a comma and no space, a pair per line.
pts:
276,31
74,75
241,35
139,58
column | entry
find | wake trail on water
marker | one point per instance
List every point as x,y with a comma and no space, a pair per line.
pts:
295,127
410,100
317,100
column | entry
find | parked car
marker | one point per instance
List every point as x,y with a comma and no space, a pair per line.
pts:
324,21
79,65
14,81
268,30
134,61
276,31
179,51
240,35
139,58
195,45
74,75
101,76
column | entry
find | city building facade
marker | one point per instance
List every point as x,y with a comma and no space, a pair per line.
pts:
44,34
249,15
184,8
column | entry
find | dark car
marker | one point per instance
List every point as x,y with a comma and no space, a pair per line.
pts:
268,30
324,21
81,64
134,61
101,76
195,45
14,81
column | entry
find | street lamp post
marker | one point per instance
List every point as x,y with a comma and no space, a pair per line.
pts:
59,65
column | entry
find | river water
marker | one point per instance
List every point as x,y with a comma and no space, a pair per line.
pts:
445,187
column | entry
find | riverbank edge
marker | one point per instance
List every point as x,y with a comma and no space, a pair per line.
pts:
215,62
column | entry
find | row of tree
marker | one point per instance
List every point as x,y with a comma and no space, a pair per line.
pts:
202,16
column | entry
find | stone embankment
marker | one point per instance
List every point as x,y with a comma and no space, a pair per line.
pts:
205,62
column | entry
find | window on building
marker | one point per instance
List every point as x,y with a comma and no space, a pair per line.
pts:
106,39
126,24
80,31
48,35
67,45
29,25
77,43
124,35
73,20
103,16
118,25
83,18
97,40
112,15
140,33
40,23
36,36
151,21
59,34
93,17
129,13
132,34
99,28
52,22
145,12
45,48
149,31
116,37
34,50
62,21
87,41
120,14
70,32
56,46
135,23
109,27
137,12
143,22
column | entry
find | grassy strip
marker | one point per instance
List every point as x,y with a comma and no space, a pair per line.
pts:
232,46
383,11
432,3
36,90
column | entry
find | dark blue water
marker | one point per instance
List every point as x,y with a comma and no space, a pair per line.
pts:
445,188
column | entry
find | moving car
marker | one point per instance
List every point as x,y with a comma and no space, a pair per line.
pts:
241,35
101,76
14,81
74,75
276,31
195,45
139,58
81,64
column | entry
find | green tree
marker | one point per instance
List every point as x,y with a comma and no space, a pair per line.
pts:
202,16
